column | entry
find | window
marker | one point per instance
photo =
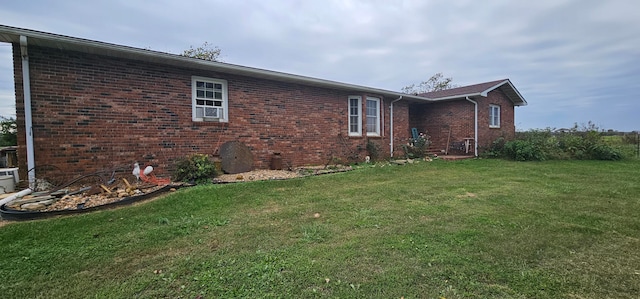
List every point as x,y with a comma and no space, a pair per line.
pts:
209,99
494,116
355,116
373,116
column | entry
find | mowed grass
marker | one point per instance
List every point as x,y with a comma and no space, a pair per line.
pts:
465,229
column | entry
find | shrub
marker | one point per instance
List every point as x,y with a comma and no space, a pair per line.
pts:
417,147
631,138
580,143
524,150
195,168
373,149
604,152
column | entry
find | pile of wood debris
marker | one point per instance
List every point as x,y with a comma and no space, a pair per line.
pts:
81,197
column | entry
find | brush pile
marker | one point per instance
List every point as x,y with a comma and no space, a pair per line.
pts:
77,198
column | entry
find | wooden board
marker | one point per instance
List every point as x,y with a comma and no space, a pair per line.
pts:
235,157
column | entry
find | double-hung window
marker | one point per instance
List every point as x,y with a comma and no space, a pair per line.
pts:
355,116
494,116
209,97
373,116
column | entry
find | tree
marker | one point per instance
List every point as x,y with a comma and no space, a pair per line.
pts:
8,131
204,52
435,83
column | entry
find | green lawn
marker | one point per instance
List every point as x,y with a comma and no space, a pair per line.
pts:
466,229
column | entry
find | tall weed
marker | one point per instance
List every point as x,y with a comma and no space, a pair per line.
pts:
578,143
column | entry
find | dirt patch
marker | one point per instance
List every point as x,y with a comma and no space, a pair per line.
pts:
257,175
263,174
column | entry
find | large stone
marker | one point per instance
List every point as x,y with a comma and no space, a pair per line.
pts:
235,157
33,206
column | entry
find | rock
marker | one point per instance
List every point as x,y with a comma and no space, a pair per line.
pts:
32,206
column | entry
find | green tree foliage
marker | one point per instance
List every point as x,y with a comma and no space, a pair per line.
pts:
8,131
435,83
204,52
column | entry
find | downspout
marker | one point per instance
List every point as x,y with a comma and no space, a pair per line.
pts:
475,122
28,123
391,124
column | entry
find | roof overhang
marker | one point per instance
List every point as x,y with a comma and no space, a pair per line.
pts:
505,86
42,39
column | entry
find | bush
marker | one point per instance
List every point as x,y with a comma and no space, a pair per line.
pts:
373,149
631,138
524,150
496,150
580,143
195,168
604,152
417,147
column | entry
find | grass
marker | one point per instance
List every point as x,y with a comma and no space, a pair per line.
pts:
466,229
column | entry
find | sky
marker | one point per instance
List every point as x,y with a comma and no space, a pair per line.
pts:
573,61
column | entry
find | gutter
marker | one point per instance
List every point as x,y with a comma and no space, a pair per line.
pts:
28,122
391,124
475,123
56,41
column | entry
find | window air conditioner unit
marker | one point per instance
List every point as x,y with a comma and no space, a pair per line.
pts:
10,171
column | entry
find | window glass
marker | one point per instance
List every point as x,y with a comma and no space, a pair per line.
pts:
354,116
209,99
373,116
494,116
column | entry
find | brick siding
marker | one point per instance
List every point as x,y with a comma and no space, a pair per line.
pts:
452,121
93,112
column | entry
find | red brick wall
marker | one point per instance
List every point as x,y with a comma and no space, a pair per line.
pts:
93,112
507,128
458,116
444,122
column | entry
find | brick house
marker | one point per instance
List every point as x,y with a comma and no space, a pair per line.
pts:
470,117
89,106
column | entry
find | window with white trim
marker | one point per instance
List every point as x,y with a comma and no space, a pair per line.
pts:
355,116
494,116
372,107
209,99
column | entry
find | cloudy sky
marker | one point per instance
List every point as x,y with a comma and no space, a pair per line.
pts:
574,61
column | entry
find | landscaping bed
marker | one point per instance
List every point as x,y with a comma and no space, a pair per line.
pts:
42,205
80,199
264,174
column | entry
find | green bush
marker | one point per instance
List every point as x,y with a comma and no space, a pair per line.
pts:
373,149
631,138
579,143
604,152
195,168
524,150
417,147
